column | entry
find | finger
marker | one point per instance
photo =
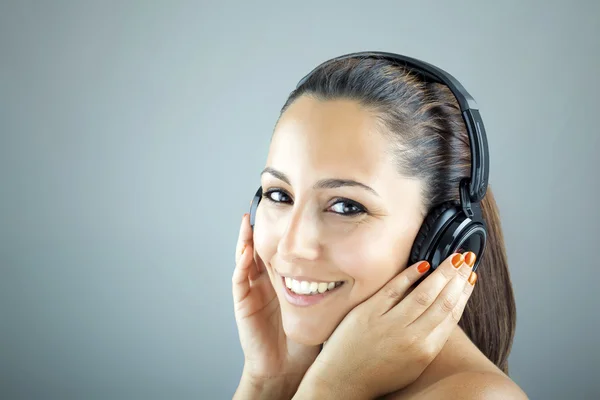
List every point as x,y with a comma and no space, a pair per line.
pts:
423,296
241,274
444,304
395,290
244,237
443,331
258,267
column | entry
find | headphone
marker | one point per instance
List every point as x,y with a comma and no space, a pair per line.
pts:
449,227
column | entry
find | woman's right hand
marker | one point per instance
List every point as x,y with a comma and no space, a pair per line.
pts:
273,364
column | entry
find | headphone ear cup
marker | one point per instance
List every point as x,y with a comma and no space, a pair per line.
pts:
254,206
428,231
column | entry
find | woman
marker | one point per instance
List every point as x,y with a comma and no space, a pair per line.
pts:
360,154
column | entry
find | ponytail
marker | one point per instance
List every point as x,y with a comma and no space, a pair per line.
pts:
489,319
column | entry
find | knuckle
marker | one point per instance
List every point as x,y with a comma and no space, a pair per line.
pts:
447,304
425,355
423,298
467,290
432,352
238,252
456,314
413,340
429,351
393,292
404,281
448,272
464,271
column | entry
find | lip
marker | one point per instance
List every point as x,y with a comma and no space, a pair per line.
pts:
304,300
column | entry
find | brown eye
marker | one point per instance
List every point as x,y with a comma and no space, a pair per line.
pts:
277,196
346,207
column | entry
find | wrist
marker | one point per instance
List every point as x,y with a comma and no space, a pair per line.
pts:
276,387
322,387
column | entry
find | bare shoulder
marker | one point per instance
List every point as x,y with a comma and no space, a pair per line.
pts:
472,385
461,371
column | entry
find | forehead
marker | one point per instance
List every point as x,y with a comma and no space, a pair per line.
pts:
335,136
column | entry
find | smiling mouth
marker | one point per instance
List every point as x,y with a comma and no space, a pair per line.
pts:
310,288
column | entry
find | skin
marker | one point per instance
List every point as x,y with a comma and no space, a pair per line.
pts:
312,238
309,233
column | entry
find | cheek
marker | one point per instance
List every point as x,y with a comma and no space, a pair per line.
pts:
265,236
372,259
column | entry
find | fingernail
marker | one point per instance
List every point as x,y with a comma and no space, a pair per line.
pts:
457,260
470,258
424,266
473,278
243,249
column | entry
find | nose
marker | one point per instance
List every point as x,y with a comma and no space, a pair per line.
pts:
300,240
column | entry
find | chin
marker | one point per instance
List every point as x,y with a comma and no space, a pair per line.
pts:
305,331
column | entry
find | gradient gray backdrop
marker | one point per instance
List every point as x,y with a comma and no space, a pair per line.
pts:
132,135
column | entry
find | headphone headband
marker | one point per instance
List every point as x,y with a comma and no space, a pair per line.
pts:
477,184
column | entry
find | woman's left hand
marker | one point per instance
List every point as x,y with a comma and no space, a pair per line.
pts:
387,341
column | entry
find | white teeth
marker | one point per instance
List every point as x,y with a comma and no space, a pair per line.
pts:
307,288
295,286
322,287
304,287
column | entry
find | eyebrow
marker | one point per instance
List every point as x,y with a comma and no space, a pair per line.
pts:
331,183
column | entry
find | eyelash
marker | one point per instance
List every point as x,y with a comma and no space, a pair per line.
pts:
359,208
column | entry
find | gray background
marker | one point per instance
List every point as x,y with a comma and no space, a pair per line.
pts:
132,135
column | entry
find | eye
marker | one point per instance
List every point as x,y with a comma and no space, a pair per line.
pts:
277,196
347,207
344,207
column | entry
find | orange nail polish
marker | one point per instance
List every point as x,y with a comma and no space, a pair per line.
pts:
473,278
243,249
457,260
423,267
470,258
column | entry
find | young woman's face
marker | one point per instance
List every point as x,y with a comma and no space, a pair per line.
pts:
337,214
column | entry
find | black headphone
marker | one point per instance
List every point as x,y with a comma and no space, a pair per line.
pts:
449,227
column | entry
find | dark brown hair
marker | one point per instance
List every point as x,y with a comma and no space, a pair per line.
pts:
430,142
